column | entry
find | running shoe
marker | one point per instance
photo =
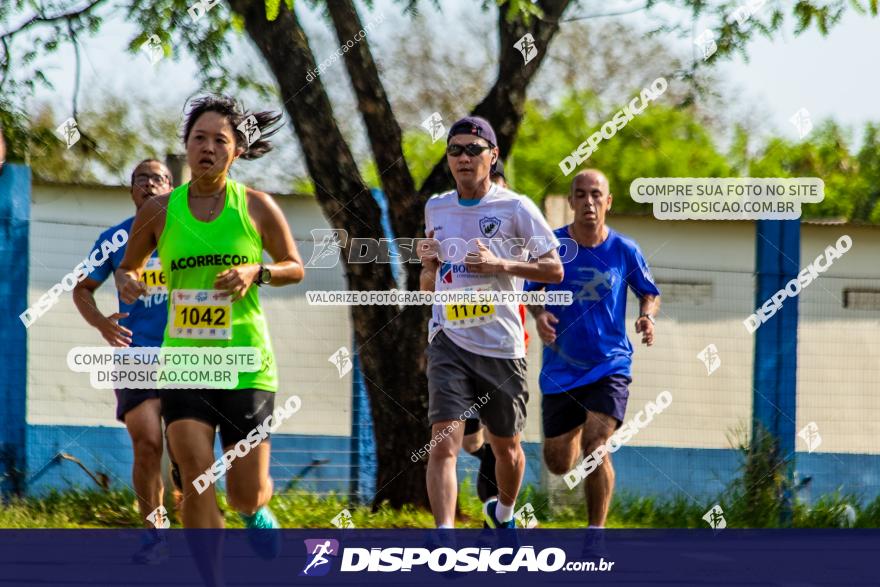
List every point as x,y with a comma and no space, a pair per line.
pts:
261,526
506,531
489,514
594,544
154,550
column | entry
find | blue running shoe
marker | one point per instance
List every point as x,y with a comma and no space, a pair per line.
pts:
506,531
264,540
594,544
489,514
153,551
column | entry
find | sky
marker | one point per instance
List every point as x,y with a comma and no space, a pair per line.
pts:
833,76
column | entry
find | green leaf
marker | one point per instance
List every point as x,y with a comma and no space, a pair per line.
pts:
272,7
237,22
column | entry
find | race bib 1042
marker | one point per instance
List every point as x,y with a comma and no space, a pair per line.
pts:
201,313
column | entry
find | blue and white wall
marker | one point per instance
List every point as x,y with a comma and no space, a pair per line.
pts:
706,273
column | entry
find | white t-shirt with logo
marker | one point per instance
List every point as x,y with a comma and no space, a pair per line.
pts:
512,227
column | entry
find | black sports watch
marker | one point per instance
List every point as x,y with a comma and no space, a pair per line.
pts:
264,276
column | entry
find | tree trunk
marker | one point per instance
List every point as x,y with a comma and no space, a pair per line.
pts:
390,341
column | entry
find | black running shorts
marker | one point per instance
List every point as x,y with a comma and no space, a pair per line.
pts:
235,411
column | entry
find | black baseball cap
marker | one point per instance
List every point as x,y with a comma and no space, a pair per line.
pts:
473,125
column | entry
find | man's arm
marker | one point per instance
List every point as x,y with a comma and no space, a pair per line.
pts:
546,269
428,251
546,323
648,306
108,326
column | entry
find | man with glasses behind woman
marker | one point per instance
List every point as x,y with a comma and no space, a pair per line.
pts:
139,324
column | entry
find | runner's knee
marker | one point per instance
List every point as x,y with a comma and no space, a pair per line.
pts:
558,461
593,442
148,450
472,442
510,453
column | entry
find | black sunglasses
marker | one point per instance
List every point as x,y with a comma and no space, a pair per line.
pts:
473,149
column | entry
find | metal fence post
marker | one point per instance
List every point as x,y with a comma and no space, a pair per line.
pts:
15,212
774,386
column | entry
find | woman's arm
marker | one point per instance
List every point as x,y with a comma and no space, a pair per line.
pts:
141,244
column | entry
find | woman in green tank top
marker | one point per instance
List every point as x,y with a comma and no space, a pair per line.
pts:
211,233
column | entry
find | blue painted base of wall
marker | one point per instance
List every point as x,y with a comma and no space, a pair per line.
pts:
313,463
322,464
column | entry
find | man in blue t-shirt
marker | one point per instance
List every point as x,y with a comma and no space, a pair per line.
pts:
141,324
587,360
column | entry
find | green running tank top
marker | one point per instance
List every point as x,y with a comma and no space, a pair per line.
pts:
192,253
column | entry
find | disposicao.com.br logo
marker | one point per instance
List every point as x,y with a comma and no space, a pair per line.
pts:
439,560
317,551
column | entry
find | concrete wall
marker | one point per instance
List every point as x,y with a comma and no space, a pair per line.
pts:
705,272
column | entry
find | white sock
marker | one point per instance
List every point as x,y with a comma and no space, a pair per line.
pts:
444,526
593,527
504,513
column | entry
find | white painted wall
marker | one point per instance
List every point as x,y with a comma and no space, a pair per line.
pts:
66,221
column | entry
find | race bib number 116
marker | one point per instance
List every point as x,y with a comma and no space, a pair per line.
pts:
154,277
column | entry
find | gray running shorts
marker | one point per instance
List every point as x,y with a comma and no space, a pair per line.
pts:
463,385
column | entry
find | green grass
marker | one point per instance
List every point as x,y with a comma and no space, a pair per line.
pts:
300,509
294,509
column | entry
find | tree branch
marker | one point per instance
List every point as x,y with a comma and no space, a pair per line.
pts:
383,129
39,19
504,105
340,189
606,14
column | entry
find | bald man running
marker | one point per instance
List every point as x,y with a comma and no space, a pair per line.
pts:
587,362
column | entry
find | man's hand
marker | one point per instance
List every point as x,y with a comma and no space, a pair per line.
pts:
130,288
236,280
546,323
428,250
646,327
483,260
113,333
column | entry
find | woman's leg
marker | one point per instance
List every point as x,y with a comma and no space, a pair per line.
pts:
248,486
192,443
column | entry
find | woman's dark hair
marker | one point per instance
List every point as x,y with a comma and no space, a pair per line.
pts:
235,114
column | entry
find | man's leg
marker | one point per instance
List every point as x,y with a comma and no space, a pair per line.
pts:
144,425
441,478
561,452
472,441
599,485
510,466
475,444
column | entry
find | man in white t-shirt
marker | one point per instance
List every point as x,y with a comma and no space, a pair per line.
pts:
480,236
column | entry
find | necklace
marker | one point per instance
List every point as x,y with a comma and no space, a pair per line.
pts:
216,197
